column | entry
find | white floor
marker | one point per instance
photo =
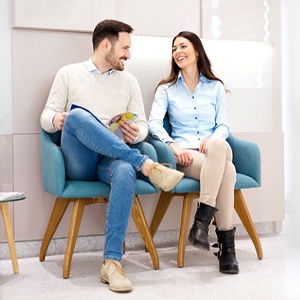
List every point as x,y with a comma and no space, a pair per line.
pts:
277,276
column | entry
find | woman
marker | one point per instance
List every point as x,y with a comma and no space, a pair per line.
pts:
195,101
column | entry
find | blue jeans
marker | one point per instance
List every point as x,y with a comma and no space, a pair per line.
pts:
91,152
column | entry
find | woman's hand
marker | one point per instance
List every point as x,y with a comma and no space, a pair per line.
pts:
203,145
184,157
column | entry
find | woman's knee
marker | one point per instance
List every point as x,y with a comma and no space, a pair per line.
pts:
216,146
219,145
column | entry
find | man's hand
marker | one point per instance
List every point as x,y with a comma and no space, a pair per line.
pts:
59,120
130,131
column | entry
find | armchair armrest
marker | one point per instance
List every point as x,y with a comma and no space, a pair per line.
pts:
246,157
146,149
164,152
53,166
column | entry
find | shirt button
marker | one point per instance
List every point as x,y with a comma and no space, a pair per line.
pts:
194,107
193,97
196,118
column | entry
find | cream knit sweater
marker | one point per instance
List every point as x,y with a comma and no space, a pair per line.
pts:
104,95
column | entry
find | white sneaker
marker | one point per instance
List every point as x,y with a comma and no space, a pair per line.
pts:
113,274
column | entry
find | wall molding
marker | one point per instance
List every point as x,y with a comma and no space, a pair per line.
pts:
133,241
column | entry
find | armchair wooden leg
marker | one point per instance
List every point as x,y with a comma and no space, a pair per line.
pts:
58,211
162,206
185,220
243,212
139,219
79,205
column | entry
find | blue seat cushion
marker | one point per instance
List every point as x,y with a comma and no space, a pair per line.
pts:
93,189
189,185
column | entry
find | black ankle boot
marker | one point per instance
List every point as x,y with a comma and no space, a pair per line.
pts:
226,255
199,232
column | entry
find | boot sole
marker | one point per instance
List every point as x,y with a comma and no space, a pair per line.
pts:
233,271
199,246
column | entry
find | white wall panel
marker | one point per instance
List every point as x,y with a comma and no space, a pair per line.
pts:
6,163
6,69
160,18
239,20
6,172
291,111
249,78
37,56
75,15
248,20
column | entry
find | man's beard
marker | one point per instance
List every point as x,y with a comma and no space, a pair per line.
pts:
113,61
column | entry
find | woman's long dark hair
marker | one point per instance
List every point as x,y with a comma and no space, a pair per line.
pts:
203,64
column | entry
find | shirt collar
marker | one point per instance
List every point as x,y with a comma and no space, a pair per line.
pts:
202,77
92,68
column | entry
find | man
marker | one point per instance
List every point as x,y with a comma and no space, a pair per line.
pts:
91,151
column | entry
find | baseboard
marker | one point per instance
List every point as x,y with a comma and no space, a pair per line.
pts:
133,241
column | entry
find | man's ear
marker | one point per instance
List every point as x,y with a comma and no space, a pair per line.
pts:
105,45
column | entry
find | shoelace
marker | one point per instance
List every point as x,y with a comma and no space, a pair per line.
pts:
159,167
118,268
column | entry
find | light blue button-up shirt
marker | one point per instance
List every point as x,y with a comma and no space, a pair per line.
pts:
193,116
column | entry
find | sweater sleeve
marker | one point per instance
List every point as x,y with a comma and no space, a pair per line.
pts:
136,105
57,100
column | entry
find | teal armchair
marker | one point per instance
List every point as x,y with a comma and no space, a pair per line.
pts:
83,193
246,158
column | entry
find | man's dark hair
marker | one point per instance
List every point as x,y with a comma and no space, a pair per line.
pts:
109,29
